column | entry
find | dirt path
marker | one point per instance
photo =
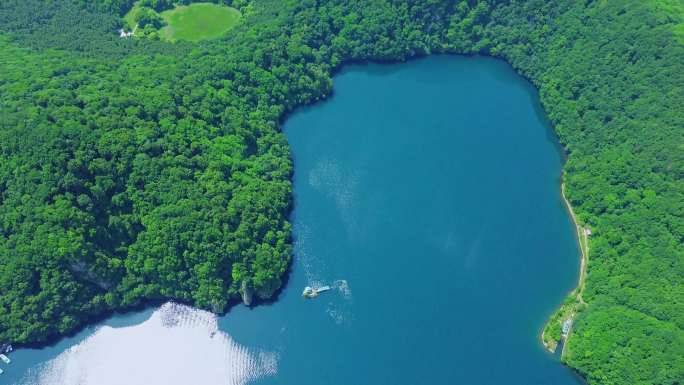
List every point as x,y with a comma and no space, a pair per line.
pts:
583,239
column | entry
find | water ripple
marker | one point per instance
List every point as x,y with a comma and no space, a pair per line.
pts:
177,345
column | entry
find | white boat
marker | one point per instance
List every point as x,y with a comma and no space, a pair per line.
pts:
2,371
312,292
5,359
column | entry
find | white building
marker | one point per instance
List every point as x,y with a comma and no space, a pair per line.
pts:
124,34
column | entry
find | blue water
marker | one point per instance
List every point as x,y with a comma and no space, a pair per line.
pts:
427,195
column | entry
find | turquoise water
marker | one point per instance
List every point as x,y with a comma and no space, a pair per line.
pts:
427,195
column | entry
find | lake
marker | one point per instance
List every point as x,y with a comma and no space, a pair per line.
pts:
427,195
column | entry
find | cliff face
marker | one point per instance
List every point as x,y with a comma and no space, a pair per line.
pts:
247,293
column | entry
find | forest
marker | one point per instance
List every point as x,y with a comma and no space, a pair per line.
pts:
135,170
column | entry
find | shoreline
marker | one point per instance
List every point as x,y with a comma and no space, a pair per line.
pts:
583,240
582,234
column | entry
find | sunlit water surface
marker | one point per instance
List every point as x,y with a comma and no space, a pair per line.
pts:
427,196
176,345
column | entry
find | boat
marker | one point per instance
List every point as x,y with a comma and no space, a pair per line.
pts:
2,371
312,292
5,359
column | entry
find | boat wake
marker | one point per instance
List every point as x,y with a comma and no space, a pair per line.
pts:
341,188
343,287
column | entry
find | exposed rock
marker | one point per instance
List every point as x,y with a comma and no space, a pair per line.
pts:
217,308
5,347
247,293
80,269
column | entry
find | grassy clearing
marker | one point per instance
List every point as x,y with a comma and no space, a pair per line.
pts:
129,18
199,21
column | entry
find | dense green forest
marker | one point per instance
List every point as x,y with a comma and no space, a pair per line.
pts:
134,170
